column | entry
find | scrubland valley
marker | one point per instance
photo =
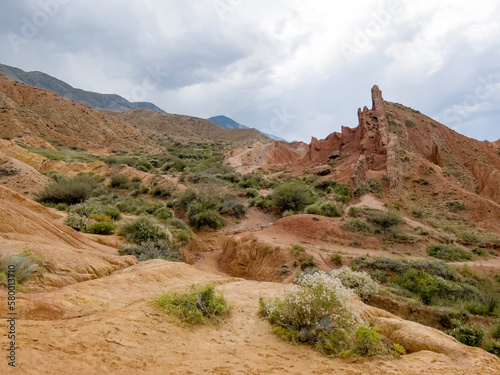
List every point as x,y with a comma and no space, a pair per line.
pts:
151,243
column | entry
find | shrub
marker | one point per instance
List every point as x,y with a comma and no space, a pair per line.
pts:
8,170
112,212
24,266
232,207
316,312
145,229
493,347
261,202
329,209
160,192
119,181
77,222
287,213
357,225
178,223
294,195
252,192
383,219
359,281
252,181
336,258
467,334
297,249
369,342
201,214
101,227
203,305
448,252
163,213
479,251
69,190
161,249
183,200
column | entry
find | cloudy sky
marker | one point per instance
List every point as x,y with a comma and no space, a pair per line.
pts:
294,68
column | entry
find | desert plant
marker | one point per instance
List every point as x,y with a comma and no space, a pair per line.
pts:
357,225
70,190
161,249
358,281
448,252
294,195
317,312
467,334
119,181
145,229
101,227
161,192
20,265
336,258
203,305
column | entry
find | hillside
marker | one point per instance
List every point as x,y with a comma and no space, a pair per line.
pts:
166,127
229,123
248,220
91,99
30,114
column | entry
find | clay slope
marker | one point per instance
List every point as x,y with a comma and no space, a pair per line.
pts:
109,326
271,155
166,127
71,256
26,111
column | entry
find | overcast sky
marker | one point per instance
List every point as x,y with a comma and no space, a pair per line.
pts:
294,68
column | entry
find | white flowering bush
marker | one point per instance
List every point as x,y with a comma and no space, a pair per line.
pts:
319,311
359,281
316,311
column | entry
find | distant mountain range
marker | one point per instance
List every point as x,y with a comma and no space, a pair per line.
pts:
229,123
94,100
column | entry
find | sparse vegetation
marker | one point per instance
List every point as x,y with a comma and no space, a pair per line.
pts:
23,266
145,229
294,196
467,334
203,305
160,249
448,252
70,190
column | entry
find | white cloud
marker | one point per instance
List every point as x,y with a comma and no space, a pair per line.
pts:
249,59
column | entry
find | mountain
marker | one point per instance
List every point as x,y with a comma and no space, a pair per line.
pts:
166,127
38,115
92,99
229,123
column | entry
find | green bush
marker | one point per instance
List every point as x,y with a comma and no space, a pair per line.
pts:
203,305
119,181
467,334
448,252
70,190
493,347
294,195
252,192
145,229
383,219
161,249
77,222
263,202
336,258
329,209
101,227
357,225
182,200
163,213
161,192
199,216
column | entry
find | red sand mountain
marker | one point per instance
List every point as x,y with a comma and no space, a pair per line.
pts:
30,113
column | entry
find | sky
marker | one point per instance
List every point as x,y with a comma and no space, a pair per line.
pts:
293,68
